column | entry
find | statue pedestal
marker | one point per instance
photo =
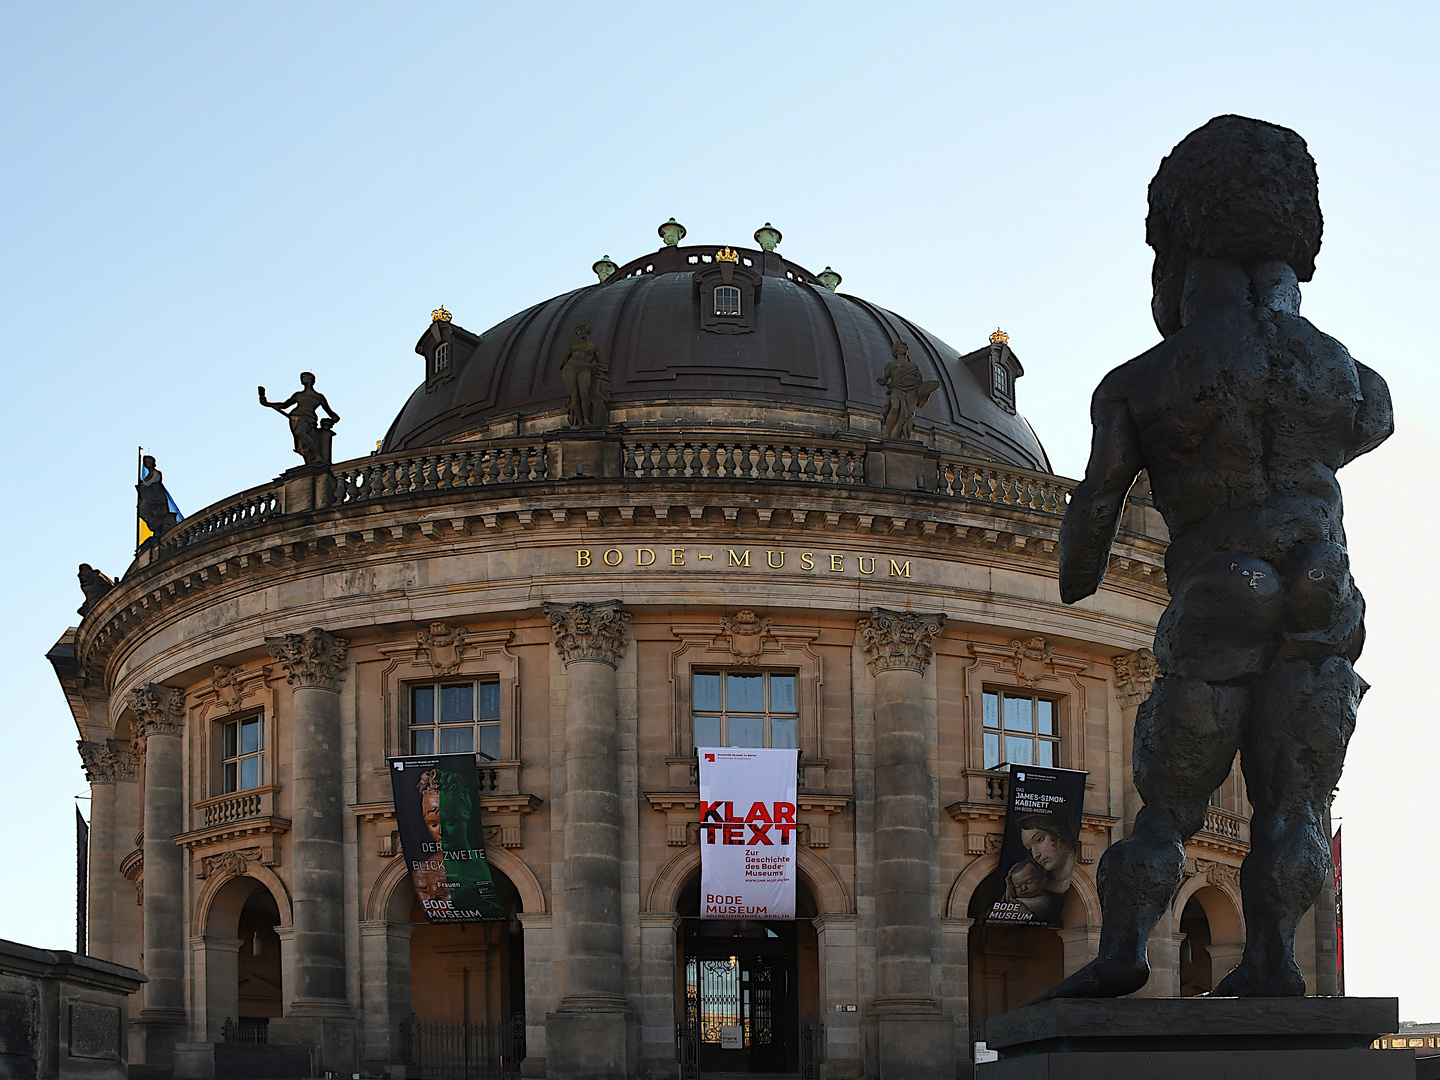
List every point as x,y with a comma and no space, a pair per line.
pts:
1197,1039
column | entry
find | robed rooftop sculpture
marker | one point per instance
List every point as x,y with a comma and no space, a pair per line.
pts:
1241,416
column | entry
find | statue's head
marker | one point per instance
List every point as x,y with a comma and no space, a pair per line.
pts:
307,380
148,461
582,331
1237,189
900,350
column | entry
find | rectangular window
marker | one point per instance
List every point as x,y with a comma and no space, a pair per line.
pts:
442,358
244,754
745,708
727,300
1020,729
456,718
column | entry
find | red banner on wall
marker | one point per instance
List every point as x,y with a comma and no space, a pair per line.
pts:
747,833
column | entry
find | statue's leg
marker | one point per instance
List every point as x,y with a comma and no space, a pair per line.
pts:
1186,735
1293,749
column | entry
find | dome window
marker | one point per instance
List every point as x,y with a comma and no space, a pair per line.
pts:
727,301
442,358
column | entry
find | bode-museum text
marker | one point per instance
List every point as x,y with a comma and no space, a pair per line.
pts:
743,558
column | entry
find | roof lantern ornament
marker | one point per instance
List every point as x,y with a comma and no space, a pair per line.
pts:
768,237
999,337
672,232
830,279
727,254
440,315
604,268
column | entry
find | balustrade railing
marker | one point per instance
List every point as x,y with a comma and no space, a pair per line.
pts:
1222,823
444,471
746,461
236,806
249,509
982,482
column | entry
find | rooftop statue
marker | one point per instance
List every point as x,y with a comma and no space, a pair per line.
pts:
587,381
94,584
153,504
312,435
1241,417
908,393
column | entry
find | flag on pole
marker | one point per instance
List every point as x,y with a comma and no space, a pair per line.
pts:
143,532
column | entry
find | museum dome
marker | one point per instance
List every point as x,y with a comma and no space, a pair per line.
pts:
685,328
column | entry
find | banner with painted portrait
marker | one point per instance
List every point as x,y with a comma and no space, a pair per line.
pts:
1041,847
437,812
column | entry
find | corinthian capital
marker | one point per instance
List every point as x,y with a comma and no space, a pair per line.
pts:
160,710
899,640
589,631
106,762
313,659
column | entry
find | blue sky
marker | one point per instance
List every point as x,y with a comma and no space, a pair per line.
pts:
199,198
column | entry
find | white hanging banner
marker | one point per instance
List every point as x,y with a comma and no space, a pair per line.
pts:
748,835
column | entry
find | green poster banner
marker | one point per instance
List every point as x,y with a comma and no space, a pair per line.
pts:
437,811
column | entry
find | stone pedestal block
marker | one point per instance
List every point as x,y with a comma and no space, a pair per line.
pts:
335,1040
1197,1039
903,466
577,455
914,1047
591,1045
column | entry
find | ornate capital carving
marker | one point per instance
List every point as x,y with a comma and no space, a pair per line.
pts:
160,710
106,762
231,863
589,631
1135,675
443,646
746,635
899,640
314,659
1032,658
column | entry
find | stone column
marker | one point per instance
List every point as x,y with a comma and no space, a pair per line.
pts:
1135,675
320,1012
836,938
592,1035
385,982
914,1038
159,719
106,763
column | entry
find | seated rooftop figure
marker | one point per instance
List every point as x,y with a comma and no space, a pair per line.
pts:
1241,417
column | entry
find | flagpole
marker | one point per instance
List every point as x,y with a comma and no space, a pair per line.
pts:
139,466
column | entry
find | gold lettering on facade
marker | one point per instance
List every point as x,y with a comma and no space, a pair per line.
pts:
774,559
837,564
705,558
617,559
641,560
582,557
901,570
739,560
807,561
677,556
770,558
862,565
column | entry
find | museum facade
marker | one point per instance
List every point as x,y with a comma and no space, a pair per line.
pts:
706,500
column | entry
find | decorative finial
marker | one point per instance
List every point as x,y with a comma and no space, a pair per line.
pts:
440,314
999,337
672,232
727,254
604,268
768,237
830,279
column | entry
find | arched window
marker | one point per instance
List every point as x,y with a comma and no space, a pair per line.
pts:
727,300
442,358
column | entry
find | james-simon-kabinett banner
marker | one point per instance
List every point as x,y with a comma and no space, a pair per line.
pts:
1042,840
437,811
747,833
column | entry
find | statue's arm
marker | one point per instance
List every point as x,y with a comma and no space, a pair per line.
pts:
1093,516
335,416
1375,418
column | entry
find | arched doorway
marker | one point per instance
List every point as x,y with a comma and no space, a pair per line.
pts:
258,979
1196,973
1212,936
470,972
238,957
1009,965
747,986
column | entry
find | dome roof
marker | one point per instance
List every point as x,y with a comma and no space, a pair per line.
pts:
812,355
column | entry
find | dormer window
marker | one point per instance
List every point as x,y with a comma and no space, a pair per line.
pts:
727,301
442,358
1000,380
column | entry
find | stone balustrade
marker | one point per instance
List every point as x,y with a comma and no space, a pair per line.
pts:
236,806
745,461
982,482
444,470
244,510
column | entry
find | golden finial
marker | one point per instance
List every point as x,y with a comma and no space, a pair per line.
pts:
440,314
727,254
999,337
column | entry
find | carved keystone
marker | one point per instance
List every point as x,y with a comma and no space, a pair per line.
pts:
589,631
899,640
314,659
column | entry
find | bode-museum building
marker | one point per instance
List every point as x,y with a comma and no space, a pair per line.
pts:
707,500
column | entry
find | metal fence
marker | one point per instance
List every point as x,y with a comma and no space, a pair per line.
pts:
464,1051
246,1031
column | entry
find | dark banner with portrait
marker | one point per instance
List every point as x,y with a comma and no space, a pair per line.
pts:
437,811
1041,847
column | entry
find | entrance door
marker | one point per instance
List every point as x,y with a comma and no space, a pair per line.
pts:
741,993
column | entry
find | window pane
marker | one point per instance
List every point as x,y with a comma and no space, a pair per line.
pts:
232,732
746,731
992,709
1019,751
422,705
707,693
457,704
707,728
230,776
1017,715
992,750
490,741
457,740
249,772
422,741
250,736
782,693
489,701
744,693
1045,717
1045,754
783,734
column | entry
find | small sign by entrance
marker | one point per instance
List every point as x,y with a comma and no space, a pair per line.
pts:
732,1037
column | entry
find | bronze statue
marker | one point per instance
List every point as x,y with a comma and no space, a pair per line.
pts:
587,381
312,435
1241,417
153,505
908,393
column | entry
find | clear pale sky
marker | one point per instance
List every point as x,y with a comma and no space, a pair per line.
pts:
196,199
